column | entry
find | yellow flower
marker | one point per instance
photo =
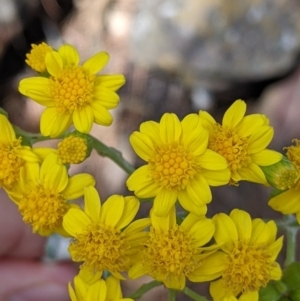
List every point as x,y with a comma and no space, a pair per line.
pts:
242,141
247,262
73,93
99,239
13,155
179,164
36,57
175,252
100,290
288,202
44,191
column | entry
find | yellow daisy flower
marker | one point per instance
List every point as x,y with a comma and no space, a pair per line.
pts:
179,164
13,155
36,57
43,193
73,93
99,239
100,290
242,141
174,252
288,202
247,260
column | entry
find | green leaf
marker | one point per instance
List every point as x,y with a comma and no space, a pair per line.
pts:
291,276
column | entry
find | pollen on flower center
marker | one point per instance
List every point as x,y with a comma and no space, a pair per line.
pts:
172,166
43,209
72,150
248,267
101,247
10,162
72,89
229,145
170,253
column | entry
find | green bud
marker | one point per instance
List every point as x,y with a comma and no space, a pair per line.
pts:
283,175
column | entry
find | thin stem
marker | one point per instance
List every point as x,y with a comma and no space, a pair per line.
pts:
144,289
171,295
113,154
291,243
193,295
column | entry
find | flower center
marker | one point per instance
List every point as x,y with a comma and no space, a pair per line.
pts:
170,252
287,179
36,57
43,209
172,166
101,247
72,89
72,150
229,145
248,268
293,154
10,163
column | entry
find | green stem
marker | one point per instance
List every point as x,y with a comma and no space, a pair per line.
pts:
113,154
291,243
144,289
171,295
193,295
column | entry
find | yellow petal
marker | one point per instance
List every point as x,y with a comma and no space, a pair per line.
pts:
207,121
83,119
252,173
54,63
234,114
249,296
114,291
53,124
169,128
112,210
218,292
151,129
101,115
107,98
7,131
260,139
189,205
92,203
112,82
266,157
137,226
276,272
69,55
142,145
226,232
199,190
216,177
249,125
164,223
276,247
75,221
243,223
260,232
97,291
287,202
28,155
164,201
96,62
212,161
131,208
190,220
202,231
76,185
137,271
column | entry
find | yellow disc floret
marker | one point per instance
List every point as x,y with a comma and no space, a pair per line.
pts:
10,162
72,150
72,89
231,146
101,247
172,166
43,209
248,267
293,154
36,57
170,253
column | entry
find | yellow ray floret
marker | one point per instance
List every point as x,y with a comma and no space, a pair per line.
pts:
73,94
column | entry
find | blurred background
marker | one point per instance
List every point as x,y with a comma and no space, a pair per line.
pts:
178,56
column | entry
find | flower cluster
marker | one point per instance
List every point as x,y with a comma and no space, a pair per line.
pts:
183,160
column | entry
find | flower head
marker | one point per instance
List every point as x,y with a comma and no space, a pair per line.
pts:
73,93
100,290
44,191
242,141
36,58
13,155
288,202
179,165
247,261
100,240
175,252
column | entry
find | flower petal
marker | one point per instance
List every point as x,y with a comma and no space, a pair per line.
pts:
260,232
53,124
112,210
92,203
169,128
212,161
202,231
83,119
164,201
243,223
96,62
199,190
76,185
207,121
189,205
131,208
7,131
75,221
234,114
54,63
260,139
216,177
266,157
107,98
97,291
164,223
252,173
287,202
112,82
69,55
142,145
101,114
249,125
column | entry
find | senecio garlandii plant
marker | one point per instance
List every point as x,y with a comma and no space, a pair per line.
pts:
177,242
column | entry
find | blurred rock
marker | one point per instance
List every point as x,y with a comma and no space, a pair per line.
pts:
216,40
